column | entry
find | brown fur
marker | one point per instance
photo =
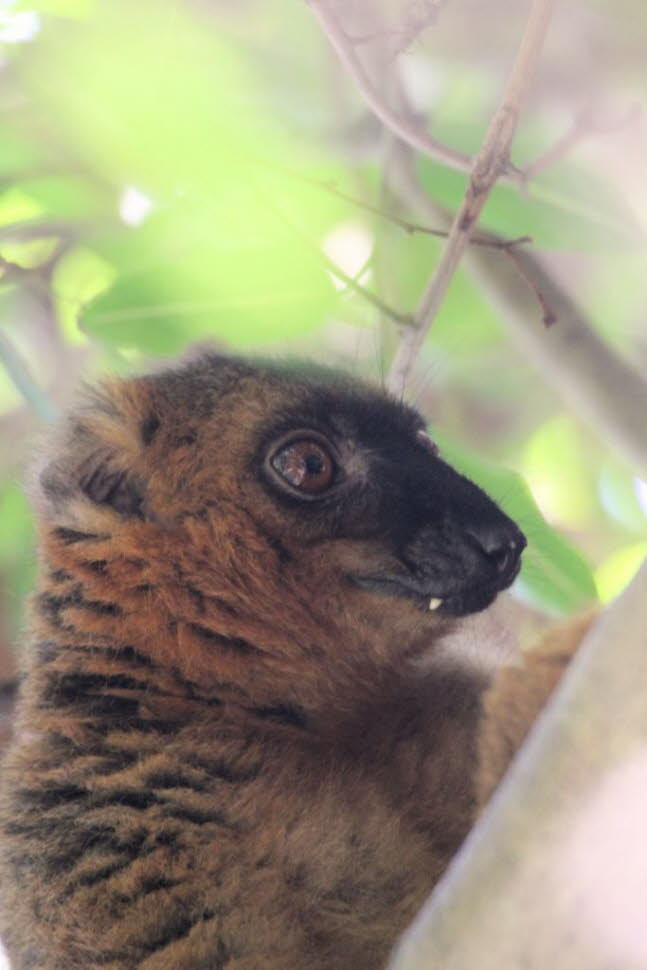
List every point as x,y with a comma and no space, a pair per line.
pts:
517,695
226,757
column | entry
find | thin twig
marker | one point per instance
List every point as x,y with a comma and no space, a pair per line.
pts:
582,127
491,161
401,319
400,126
409,132
418,18
599,384
550,315
493,242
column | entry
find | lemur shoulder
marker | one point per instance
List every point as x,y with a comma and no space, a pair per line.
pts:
228,753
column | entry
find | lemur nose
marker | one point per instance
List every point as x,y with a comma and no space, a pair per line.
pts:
500,544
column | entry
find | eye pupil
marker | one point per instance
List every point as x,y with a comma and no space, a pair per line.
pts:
305,465
314,464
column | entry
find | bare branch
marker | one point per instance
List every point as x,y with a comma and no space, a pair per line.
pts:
400,126
491,161
598,384
554,875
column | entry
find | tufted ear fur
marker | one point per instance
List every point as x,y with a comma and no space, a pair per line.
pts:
117,452
101,452
105,484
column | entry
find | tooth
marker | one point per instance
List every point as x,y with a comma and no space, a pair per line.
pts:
434,603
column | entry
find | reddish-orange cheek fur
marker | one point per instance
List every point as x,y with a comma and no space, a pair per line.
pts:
212,573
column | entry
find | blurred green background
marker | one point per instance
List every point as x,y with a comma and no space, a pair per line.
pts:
173,172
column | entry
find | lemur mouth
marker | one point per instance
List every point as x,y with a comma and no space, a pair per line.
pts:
455,601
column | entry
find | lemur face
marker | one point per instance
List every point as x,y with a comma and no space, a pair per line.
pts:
271,503
351,464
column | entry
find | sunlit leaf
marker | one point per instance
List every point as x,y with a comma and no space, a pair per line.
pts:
619,569
79,277
557,469
30,252
154,310
163,103
232,249
17,206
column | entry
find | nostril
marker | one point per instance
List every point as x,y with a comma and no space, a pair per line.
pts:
501,559
502,550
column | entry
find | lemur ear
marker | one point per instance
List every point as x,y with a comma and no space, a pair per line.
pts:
102,451
106,484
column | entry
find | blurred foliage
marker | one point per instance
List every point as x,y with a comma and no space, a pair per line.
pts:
171,171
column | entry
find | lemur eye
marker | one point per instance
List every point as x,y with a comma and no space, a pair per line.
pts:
427,443
305,465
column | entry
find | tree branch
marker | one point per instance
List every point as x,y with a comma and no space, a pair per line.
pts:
491,161
554,874
598,384
400,126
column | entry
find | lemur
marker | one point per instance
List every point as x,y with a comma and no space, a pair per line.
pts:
233,748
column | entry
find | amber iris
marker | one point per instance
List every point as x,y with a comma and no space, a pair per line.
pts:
305,465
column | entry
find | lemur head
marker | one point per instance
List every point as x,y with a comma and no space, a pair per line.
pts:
262,521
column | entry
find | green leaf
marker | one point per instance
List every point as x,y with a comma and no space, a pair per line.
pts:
558,467
555,576
232,248
619,569
163,103
181,277
17,153
30,252
154,310
68,198
16,205
80,276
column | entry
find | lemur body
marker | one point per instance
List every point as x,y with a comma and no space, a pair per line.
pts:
228,755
